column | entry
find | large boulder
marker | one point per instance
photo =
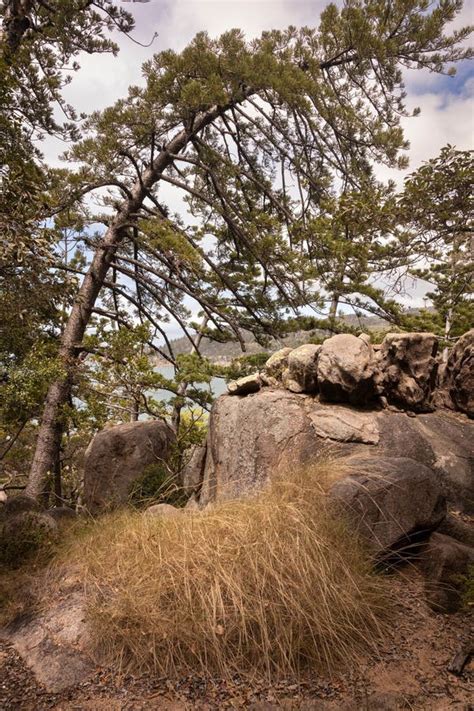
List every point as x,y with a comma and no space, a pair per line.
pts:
388,501
346,370
407,368
254,437
301,375
445,563
251,437
277,363
118,456
458,377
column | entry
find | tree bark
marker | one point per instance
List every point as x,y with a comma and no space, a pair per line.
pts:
333,307
135,411
50,431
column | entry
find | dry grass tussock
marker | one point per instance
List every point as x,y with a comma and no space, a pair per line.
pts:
271,585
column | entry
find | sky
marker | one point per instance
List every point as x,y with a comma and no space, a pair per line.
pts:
446,103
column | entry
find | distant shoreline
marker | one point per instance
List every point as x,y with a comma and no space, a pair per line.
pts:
162,363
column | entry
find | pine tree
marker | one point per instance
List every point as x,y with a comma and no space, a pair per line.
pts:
437,210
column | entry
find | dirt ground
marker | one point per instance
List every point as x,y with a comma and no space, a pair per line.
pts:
411,672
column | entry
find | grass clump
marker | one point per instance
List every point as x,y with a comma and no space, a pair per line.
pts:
270,585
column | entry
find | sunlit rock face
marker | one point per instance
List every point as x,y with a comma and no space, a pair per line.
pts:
347,398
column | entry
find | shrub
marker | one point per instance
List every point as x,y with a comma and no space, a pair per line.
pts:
272,585
157,484
25,536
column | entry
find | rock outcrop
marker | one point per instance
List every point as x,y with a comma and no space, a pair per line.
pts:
403,372
458,377
346,369
54,643
406,369
387,406
252,438
118,456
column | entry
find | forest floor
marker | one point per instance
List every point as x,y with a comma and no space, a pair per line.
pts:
411,672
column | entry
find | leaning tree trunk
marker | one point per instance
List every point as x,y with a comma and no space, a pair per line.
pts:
50,431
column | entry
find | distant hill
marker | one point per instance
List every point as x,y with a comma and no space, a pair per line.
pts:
225,352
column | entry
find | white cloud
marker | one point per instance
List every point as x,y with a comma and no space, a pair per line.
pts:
445,118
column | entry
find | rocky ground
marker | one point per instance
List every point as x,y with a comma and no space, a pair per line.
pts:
410,673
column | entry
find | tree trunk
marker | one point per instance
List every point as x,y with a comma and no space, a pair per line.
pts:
50,431
58,490
135,411
447,331
49,439
333,307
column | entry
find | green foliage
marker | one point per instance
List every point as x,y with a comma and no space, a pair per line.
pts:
160,482
437,210
40,42
192,429
23,390
316,106
156,485
245,365
119,382
38,45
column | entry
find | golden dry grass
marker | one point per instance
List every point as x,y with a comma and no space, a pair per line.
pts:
270,585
